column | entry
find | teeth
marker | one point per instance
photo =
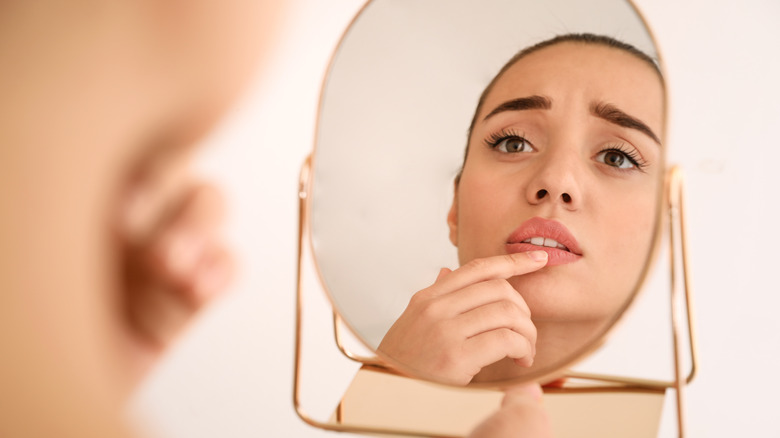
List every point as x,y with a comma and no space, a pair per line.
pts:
541,241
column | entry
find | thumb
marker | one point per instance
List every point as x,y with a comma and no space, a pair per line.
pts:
522,414
522,395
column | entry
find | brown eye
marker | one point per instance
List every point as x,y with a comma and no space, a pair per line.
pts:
616,158
514,145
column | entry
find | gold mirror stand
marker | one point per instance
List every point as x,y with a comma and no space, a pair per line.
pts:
678,263
303,217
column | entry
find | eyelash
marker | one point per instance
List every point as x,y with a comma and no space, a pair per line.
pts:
631,154
497,137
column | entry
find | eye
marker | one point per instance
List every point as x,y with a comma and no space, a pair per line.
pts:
510,144
514,144
509,141
620,159
615,159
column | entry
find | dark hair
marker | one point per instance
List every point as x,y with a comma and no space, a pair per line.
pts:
584,38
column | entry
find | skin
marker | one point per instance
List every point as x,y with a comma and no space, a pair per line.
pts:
552,163
103,105
468,319
522,414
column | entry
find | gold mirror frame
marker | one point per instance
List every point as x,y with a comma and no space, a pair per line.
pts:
671,214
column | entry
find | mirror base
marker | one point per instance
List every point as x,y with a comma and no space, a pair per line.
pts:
378,399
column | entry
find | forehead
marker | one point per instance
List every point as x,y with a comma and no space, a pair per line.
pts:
574,73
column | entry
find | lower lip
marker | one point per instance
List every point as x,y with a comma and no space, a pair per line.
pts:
555,256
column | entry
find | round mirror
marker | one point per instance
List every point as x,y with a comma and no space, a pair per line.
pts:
462,135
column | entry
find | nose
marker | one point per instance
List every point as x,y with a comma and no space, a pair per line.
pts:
556,181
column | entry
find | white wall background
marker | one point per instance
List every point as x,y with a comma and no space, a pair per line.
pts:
231,376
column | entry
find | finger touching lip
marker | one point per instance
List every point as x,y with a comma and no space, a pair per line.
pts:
546,235
555,256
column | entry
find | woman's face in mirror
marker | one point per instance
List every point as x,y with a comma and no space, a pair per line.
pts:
564,155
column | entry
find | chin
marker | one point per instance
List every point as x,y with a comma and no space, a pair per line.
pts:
563,299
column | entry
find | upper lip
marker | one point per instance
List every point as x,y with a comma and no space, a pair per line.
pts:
548,229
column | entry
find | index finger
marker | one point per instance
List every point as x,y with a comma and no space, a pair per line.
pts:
491,268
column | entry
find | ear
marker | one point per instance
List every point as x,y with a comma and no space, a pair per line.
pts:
452,216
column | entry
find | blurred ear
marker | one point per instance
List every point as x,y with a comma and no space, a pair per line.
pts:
452,216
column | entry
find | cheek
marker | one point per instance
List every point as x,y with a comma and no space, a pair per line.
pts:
486,205
479,195
490,191
627,226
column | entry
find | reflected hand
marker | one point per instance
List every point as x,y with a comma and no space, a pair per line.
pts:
522,415
468,319
174,263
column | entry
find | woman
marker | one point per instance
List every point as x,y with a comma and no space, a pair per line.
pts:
552,214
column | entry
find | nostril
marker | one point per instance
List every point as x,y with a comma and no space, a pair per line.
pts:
566,198
541,194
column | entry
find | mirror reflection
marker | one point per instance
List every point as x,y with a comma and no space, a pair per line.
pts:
560,174
547,204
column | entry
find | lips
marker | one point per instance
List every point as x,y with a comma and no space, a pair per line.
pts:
546,235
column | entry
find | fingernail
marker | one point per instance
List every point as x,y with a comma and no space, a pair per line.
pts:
537,256
518,395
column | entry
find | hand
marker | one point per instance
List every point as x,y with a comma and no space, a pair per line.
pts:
468,319
522,415
174,263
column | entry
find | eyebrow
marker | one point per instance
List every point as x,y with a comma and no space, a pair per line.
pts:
615,115
520,104
602,110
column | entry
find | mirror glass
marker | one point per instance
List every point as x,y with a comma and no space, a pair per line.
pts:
564,156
